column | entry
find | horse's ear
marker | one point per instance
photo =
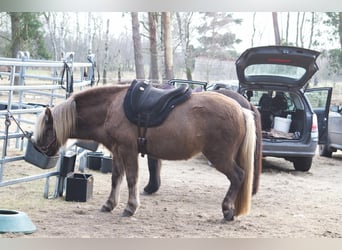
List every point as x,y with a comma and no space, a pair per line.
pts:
48,116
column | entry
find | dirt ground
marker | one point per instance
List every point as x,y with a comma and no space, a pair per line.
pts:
188,204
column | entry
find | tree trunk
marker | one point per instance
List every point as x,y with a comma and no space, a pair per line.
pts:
138,57
189,61
184,37
254,29
301,36
168,53
104,76
51,23
15,29
312,29
276,28
89,34
297,33
340,27
154,71
62,36
287,28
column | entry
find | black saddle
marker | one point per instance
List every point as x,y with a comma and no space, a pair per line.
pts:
148,106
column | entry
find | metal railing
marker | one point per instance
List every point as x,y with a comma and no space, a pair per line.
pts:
45,82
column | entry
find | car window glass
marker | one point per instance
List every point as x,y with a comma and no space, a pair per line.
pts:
269,100
317,99
287,71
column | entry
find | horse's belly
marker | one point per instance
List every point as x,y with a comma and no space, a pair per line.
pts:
174,148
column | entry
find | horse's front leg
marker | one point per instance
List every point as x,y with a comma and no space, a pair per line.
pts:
132,172
154,166
114,197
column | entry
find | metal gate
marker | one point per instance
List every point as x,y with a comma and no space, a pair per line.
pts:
27,86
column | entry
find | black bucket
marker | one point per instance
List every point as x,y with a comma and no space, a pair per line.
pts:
106,164
94,160
68,164
34,156
79,187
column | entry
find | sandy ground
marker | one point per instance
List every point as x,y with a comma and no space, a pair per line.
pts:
188,204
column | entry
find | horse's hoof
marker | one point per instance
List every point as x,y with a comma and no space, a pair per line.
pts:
146,192
105,209
126,213
229,215
150,189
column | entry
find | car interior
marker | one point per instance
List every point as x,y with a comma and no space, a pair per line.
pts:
273,104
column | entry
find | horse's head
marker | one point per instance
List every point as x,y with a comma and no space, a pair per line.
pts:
45,137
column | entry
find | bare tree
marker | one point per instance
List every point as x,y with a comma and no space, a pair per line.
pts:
301,35
276,28
152,23
15,28
89,42
138,57
50,18
297,33
62,35
287,28
105,61
183,22
254,29
340,27
168,53
312,29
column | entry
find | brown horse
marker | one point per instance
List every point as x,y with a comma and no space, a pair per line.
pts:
154,165
207,122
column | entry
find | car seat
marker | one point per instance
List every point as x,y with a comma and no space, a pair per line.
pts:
265,104
279,104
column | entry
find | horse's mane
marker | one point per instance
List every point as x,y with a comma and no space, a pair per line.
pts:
65,113
64,120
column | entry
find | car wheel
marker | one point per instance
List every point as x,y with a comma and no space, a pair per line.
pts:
325,151
302,163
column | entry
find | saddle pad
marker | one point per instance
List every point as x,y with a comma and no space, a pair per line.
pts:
155,115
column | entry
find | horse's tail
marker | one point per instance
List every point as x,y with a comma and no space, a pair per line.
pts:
246,162
258,150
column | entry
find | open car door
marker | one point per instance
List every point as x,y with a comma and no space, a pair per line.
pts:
320,99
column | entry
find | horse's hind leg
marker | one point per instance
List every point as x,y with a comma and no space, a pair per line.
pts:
154,166
113,199
236,176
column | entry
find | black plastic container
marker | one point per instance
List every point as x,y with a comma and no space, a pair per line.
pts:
38,158
68,164
94,160
79,187
106,164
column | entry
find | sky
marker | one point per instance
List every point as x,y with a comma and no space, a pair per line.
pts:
264,26
121,23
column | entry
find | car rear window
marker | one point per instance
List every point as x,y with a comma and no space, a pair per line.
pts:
274,70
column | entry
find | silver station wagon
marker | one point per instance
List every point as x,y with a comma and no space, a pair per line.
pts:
294,118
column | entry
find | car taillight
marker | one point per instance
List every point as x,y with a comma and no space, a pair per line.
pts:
314,128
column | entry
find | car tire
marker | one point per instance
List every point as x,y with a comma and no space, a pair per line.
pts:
325,151
302,163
